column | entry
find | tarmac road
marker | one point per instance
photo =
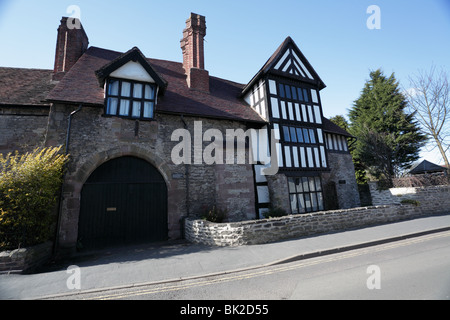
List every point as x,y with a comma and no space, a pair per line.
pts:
163,263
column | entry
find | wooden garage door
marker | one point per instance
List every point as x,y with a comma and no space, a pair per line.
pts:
124,201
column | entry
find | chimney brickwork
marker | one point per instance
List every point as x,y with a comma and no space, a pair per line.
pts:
192,46
71,43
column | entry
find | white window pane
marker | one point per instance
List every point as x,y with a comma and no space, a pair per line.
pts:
113,87
137,90
344,143
301,204
295,153
323,157
320,200
314,96
283,110
314,201
291,184
263,108
302,157
317,113
275,111
291,111
293,200
287,156
320,135
310,158
312,184
112,106
272,87
136,112
279,155
297,112
311,116
148,109
276,129
305,117
149,92
124,107
316,155
126,89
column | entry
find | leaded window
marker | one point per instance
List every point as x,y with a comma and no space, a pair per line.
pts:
130,99
305,194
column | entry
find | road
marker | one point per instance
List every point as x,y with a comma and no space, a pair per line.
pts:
417,268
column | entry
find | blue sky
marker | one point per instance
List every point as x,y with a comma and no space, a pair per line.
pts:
242,35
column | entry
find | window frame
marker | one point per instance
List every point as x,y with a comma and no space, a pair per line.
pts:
131,99
301,194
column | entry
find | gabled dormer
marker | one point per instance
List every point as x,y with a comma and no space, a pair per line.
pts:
131,86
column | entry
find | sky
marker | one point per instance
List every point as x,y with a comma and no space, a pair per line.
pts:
412,35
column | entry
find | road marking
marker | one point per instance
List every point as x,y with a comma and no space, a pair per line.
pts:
272,270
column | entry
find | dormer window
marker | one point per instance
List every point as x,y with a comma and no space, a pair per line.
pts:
131,86
130,99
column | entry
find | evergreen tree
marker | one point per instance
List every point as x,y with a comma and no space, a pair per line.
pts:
389,140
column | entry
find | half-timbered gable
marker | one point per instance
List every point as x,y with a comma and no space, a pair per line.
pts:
286,92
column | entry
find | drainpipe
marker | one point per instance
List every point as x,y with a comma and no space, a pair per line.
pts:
61,196
186,176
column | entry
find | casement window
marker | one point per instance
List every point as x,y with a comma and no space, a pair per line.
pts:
336,143
305,194
130,99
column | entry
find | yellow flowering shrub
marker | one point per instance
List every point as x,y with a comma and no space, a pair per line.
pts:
29,190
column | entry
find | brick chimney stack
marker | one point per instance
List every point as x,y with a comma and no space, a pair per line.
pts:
193,53
71,43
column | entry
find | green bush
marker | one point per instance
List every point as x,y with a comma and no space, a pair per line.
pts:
275,213
29,189
213,214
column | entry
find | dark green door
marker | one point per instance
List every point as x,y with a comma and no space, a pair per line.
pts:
124,201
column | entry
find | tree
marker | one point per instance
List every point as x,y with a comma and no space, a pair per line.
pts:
429,99
389,140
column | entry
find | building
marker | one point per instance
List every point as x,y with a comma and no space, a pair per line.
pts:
123,118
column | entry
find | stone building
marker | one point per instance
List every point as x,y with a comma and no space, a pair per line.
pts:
149,140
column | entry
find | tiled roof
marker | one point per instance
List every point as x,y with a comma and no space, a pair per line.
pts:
80,85
28,87
331,127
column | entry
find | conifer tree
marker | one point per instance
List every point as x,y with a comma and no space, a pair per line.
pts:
389,140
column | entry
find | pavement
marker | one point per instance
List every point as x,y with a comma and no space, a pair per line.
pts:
173,261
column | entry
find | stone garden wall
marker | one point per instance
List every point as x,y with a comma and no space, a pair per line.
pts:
430,201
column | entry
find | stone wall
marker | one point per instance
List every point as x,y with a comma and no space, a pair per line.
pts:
342,175
96,138
25,260
433,200
22,128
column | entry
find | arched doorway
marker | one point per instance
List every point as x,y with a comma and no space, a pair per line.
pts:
124,201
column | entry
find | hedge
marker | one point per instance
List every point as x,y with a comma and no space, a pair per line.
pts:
29,190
